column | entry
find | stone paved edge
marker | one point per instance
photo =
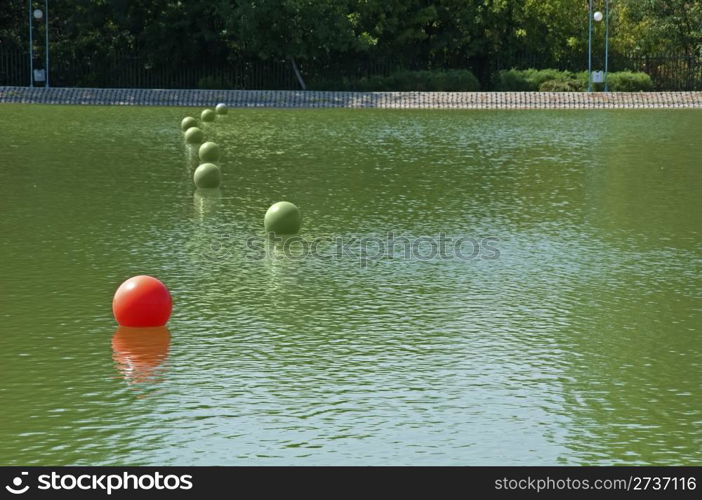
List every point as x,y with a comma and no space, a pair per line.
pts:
383,100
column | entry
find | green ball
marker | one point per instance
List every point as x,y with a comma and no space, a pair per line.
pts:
209,152
221,109
194,135
283,218
207,175
188,122
208,115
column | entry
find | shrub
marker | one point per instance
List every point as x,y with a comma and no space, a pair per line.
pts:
628,81
524,80
551,80
448,80
211,82
561,86
620,81
430,80
454,80
511,80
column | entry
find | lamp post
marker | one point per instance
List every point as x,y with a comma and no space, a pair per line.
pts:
606,44
38,14
597,16
31,47
589,48
46,41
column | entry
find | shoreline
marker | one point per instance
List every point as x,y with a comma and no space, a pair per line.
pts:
354,100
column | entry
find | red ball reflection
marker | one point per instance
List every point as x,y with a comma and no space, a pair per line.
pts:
139,351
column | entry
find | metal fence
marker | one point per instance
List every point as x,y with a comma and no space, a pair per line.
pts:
130,71
14,67
668,71
134,72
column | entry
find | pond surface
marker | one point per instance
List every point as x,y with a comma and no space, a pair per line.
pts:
560,324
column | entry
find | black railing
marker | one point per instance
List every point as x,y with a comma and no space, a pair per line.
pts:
14,67
120,71
668,71
671,71
129,71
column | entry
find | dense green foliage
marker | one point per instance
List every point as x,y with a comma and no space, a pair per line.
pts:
352,40
529,79
436,80
551,80
561,86
627,81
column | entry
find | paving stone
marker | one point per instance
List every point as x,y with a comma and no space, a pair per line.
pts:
323,99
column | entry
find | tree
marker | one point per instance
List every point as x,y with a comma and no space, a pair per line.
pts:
649,26
327,37
293,29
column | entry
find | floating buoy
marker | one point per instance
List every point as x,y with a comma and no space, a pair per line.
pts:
194,135
188,122
283,218
208,115
208,152
207,176
142,301
221,109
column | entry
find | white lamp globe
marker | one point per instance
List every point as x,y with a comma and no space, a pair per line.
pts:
38,14
597,16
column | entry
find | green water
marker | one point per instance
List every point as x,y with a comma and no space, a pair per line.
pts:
576,342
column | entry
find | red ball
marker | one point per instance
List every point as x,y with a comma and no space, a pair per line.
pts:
142,301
